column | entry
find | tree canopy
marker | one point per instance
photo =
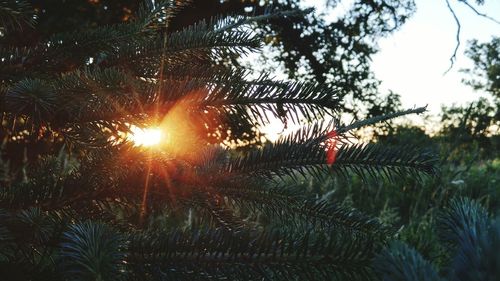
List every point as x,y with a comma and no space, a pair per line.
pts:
485,75
336,52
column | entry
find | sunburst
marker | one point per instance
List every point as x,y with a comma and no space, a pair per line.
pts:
147,137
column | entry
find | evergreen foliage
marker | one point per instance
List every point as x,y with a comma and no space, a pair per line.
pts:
334,51
470,238
80,201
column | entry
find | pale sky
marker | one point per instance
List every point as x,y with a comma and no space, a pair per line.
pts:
412,61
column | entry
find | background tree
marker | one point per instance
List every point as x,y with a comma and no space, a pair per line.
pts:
479,120
336,52
485,75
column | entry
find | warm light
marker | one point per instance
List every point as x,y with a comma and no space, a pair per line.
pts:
145,137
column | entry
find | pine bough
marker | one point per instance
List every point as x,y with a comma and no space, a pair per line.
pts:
92,208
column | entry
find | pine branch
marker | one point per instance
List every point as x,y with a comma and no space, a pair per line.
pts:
73,49
400,262
96,94
468,235
379,119
52,186
33,98
213,206
196,43
93,98
55,189
287,157
193,40
11,63
246,255
372,159
470,238
31,235
462,223
203,42
229,23
78,46
15,14
293,207
92,251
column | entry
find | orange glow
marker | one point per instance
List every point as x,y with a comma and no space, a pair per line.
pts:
331,152
185,126
145,137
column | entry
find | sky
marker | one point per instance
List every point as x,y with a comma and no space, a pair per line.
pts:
413,60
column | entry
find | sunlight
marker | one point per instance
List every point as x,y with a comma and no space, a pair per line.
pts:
145,137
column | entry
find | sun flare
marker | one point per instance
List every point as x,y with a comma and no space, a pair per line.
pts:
145,136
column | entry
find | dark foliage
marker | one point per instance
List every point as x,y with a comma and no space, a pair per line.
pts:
471,239
80,201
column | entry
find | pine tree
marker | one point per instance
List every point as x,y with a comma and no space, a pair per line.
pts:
470,239
80,201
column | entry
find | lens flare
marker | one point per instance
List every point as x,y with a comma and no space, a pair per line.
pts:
331,144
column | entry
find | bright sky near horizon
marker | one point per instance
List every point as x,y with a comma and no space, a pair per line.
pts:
413,60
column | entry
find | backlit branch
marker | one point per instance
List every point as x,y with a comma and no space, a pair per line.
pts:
453,58
478,12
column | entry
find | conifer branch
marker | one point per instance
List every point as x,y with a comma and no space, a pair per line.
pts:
250,254
15,14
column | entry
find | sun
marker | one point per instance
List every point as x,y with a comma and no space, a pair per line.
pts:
145,136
